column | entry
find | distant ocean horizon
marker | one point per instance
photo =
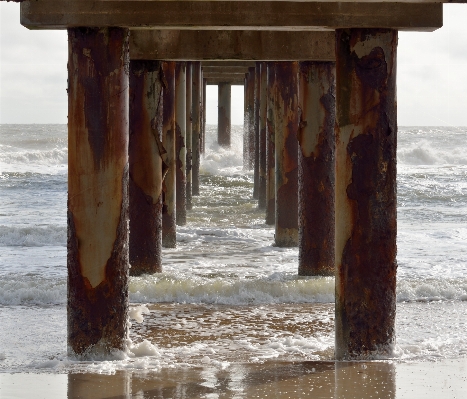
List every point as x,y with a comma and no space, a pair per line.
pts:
227,294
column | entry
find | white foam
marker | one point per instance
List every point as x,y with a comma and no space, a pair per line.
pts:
33,236
32,290
136,313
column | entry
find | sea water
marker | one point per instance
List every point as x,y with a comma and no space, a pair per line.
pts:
227,295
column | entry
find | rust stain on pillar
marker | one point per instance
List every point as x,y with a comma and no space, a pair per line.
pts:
196,125
97,259
263,106
287,118
316,169
365,192
169,232
271,147
223,114
188,140
180,133
146,168
256,128
251,117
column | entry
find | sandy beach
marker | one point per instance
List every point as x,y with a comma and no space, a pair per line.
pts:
446,379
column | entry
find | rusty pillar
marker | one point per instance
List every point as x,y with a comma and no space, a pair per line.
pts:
251,117
169,233
287,117
223,114
316,169
97,257
270,146
366,127
146,167
188,138
205,83
263,106
196,125
256,126
246,122
180,132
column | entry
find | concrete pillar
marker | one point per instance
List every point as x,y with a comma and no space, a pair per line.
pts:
203,148
316,169
271,147
366,127
251,117
188,141
256,126
146,167
196,124
97,217
180,133
287,117
169,233
246,122
263,106
223,114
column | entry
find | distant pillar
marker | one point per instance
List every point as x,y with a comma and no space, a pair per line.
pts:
146,168
203,148
271,147
223,113
97,258
263,106
196,124
366,127
286,113
256,126
316,169
180,133
189,136
251,117
169,232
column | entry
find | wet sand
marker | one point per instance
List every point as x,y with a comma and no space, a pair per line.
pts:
445,379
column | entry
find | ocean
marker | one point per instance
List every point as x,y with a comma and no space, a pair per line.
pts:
227,296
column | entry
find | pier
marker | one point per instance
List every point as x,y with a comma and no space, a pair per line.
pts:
320,135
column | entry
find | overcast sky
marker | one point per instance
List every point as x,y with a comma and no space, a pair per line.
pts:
431,75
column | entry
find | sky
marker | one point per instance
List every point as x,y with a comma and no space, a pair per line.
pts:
431,74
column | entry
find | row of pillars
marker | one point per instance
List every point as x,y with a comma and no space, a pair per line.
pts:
323,134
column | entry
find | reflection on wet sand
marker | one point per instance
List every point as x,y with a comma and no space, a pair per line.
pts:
271,379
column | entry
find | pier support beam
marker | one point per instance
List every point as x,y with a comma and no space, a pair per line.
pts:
256,127
271,147
189,135
251,118
287,117
223,114
366,127
97,217
180,133
263,106
316,169
169,232
146,167
197,83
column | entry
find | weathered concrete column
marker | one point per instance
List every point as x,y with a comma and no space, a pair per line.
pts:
271,147
196,124
251,117
188,140
263,106
97,257
146,167
223,114
256,127
203,120
169,231
287,117
316,169
246,122
180,132
366,127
